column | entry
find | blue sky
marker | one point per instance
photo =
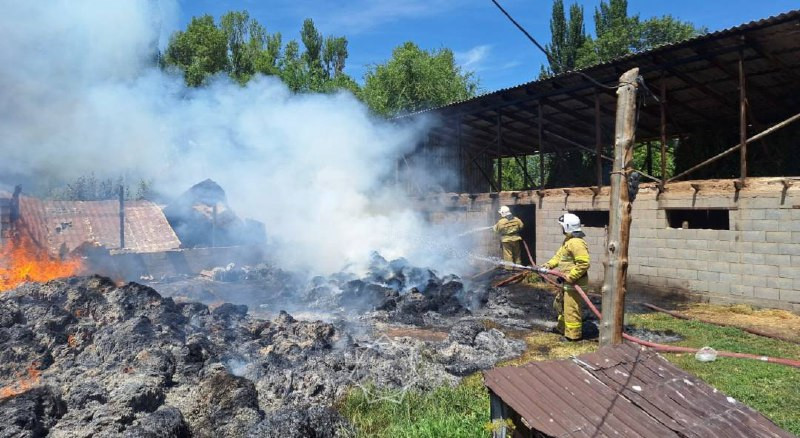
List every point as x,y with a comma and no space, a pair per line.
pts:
482,38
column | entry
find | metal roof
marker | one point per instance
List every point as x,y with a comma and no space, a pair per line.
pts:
622,390
66,225
699,76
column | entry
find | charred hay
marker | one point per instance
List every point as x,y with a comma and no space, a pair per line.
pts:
98,359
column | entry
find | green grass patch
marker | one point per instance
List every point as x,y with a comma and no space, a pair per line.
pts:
461,411
772,389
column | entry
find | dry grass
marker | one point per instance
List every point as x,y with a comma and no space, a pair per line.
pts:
779,322
547,346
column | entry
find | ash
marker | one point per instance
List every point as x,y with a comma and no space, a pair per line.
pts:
85,357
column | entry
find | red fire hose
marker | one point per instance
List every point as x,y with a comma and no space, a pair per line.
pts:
669,348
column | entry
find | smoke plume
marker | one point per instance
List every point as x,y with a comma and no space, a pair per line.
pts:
81,94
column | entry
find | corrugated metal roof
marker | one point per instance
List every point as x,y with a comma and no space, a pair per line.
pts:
623,391
66,225
789,15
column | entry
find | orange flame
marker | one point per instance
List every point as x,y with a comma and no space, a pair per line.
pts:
25,383
21,260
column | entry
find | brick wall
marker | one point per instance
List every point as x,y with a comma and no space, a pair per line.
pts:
756,260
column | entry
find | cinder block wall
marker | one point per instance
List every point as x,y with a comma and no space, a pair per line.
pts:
756,260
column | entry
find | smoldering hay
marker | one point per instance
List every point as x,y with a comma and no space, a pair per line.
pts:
81,94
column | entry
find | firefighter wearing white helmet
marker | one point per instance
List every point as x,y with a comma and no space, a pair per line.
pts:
573,260
508,227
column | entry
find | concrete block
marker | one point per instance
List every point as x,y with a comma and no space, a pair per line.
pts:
767,225
708,276
697,244
752,236
651,271
766,248
669,263
795,236
727,235
779,283
779,236
742,224
778,214
791,296
742,247
687,274
686,254
698,286
677,283
789,249
707,256
753,280
751,213
674,243
730,278
667,272
795,214
707,234
719,288
666,233
740,289
760,202
766,293
753,259
794,225
644,252
666,253
721,267
788,272
719,245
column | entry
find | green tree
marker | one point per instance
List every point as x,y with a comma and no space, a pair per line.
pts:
618,34
415,79
567,37
200,51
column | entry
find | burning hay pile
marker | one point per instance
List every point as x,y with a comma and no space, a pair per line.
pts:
86,357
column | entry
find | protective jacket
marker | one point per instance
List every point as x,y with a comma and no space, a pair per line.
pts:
509,229
572,259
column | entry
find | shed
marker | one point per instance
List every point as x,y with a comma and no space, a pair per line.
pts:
617,391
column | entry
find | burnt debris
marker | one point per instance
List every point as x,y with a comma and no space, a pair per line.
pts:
86,357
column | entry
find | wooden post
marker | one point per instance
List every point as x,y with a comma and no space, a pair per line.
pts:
598,142
649,159
121,217
616,268
742,121
541,147
462,168
499,154
663,132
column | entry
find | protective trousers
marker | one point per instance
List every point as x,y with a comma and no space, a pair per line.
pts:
570,315
511,252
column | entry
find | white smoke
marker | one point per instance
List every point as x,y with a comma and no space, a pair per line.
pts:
80,95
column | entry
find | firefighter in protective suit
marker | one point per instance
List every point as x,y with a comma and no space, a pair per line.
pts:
572,259
508,227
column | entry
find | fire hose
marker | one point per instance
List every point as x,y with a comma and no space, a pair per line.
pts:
653,345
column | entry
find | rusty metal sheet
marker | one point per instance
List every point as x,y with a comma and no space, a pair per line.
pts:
63,226
623,390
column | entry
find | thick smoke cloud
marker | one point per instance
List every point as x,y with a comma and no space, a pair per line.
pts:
80,95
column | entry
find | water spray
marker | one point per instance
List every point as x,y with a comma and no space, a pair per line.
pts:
475,230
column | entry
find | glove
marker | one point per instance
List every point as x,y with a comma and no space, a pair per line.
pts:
542,270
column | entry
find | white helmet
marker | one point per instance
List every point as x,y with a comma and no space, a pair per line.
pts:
570,222
504,211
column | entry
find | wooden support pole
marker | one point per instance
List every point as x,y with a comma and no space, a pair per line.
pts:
663,132
461,165
121,217
541,148
499,153
598,142
616,268
649,157
742,121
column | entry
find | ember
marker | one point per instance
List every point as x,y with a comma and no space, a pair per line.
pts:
21,260
27,380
